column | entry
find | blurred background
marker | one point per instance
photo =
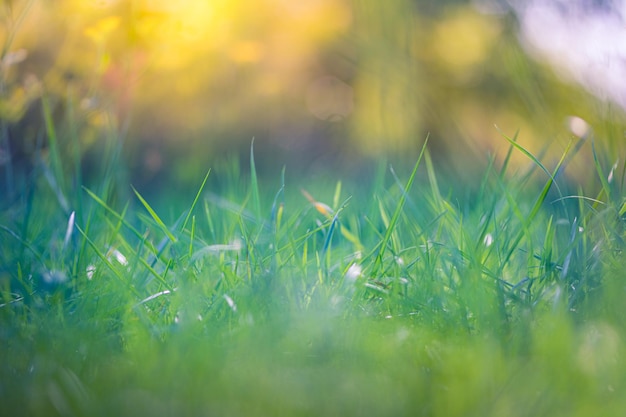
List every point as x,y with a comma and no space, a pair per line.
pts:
325,87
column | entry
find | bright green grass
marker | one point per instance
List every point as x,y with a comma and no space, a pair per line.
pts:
397,301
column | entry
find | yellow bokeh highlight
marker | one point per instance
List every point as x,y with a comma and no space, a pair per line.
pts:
463,39
387,84
101,30
366,77
246,52
184,30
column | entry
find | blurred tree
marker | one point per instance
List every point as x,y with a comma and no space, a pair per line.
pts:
312,80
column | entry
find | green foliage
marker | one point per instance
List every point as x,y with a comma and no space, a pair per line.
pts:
397,295
398,299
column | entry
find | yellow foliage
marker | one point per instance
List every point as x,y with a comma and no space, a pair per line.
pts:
101,30
464,38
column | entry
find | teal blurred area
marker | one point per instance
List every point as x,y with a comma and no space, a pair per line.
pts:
163,90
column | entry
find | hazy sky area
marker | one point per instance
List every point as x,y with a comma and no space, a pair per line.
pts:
584,40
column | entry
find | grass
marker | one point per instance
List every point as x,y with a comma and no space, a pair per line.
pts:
392,299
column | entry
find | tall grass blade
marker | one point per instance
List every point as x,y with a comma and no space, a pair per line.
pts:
155,217
546,188
337,195
276,217
51,179
509,153
434,184
53,143
603,178
528,219
118,217
254,184
77,156
409,201
327,242
396,215
536,161
155,274
546,256
25,244
195,200
192,236
278,201
570,252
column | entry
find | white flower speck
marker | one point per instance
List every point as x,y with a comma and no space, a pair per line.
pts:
578,126
118,256
231,303
91,269
353,273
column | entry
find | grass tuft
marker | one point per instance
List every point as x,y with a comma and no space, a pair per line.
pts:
405,301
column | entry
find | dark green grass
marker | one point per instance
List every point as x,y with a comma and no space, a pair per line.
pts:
393,300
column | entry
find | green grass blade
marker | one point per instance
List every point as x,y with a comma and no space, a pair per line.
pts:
51,178
25,244
108,263
279,201
154,273
195,200
546,256
603,178
254,184
192,235
396,215
337,195
568,257
77,157
117,216
546,188
55,156
509,153
536,161
326,248
528,219
209,219
434,184
155,217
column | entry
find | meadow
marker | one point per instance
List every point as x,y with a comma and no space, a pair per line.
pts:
394,296
379,249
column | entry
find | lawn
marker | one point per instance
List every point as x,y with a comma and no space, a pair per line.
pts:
394,296
149,267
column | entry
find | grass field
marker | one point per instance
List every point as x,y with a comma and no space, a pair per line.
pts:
406,292
393,297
